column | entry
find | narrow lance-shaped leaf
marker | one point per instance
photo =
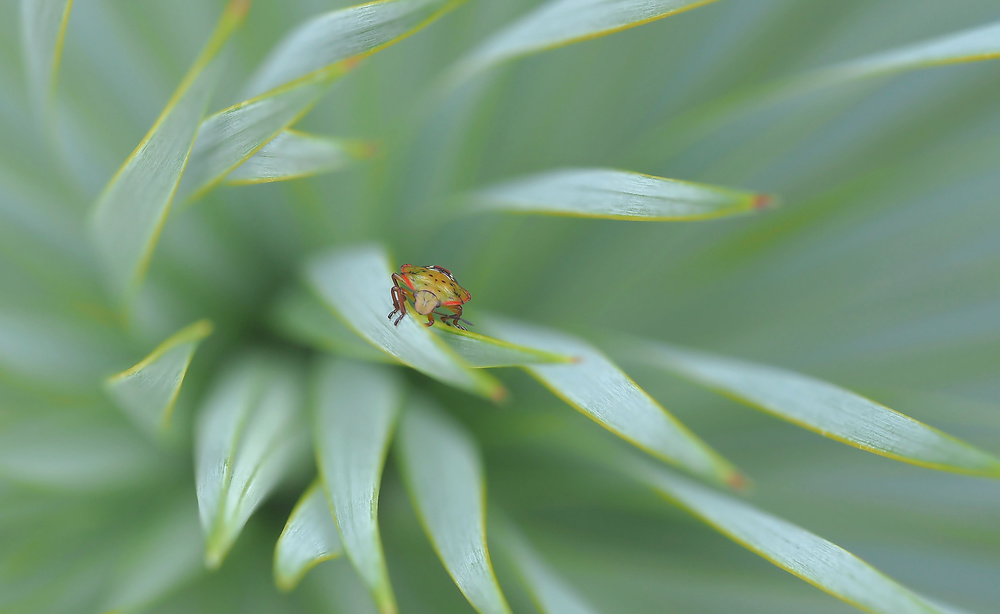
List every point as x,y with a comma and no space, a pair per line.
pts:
43,30
812,558
294,77
309,537
613,194
293,155
600,390
441,467
147,392
355,284
818,406
249,434
129,215
483,352
356,407
561,22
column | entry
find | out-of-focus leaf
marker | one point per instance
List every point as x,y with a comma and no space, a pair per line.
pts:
613,194
293,155
248,436
441,467
821,407
600,390
551,594
310,537
355,283
561,22
812,558
129,215
148,390
481,351
292,79
166,555
356,408
43,29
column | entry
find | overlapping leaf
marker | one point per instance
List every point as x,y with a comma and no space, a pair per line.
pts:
440,464
818,406
309,537
43,29
356,407
600,390
613,194
293,155
483,352
148,390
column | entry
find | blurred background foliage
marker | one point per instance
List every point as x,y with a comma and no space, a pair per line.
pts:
879,272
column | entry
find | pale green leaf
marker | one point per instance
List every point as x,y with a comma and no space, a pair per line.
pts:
481,351
600,390
561,22
294,77
812,558
613,194
443,473
293,155
355,283
250,433
43,30
147,392
310,537
356,408
821,407
130,213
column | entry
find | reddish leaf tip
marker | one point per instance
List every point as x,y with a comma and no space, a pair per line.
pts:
764,201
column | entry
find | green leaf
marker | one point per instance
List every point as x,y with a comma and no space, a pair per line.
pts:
355,284
812,558
147,392
250,433
561,22
356,408
128,217
482,352
613,194
600,390
309,537
43,30
821,407
441,467
294,77
294,155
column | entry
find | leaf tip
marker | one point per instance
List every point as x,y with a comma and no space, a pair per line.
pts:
738,481
498,394
239,8
762,202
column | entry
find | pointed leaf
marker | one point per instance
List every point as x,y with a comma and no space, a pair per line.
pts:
812,558
309,537
355,284
129,215
43,30
821,407
356,407
600,390
249,435
148,390
561,22
612,194
441,467
293,155
482,352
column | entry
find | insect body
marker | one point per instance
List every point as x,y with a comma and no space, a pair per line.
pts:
432,289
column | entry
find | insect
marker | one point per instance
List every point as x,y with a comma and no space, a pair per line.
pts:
432,289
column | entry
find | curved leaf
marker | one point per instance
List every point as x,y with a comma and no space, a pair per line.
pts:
483,352
355,283
613,194
249,434
561,22
812,558
43,30
309,537
293,155
600,390
821,407
148,390
441,467
129,215
356,407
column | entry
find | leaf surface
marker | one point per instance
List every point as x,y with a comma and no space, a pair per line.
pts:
43,30
309,537
293,155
